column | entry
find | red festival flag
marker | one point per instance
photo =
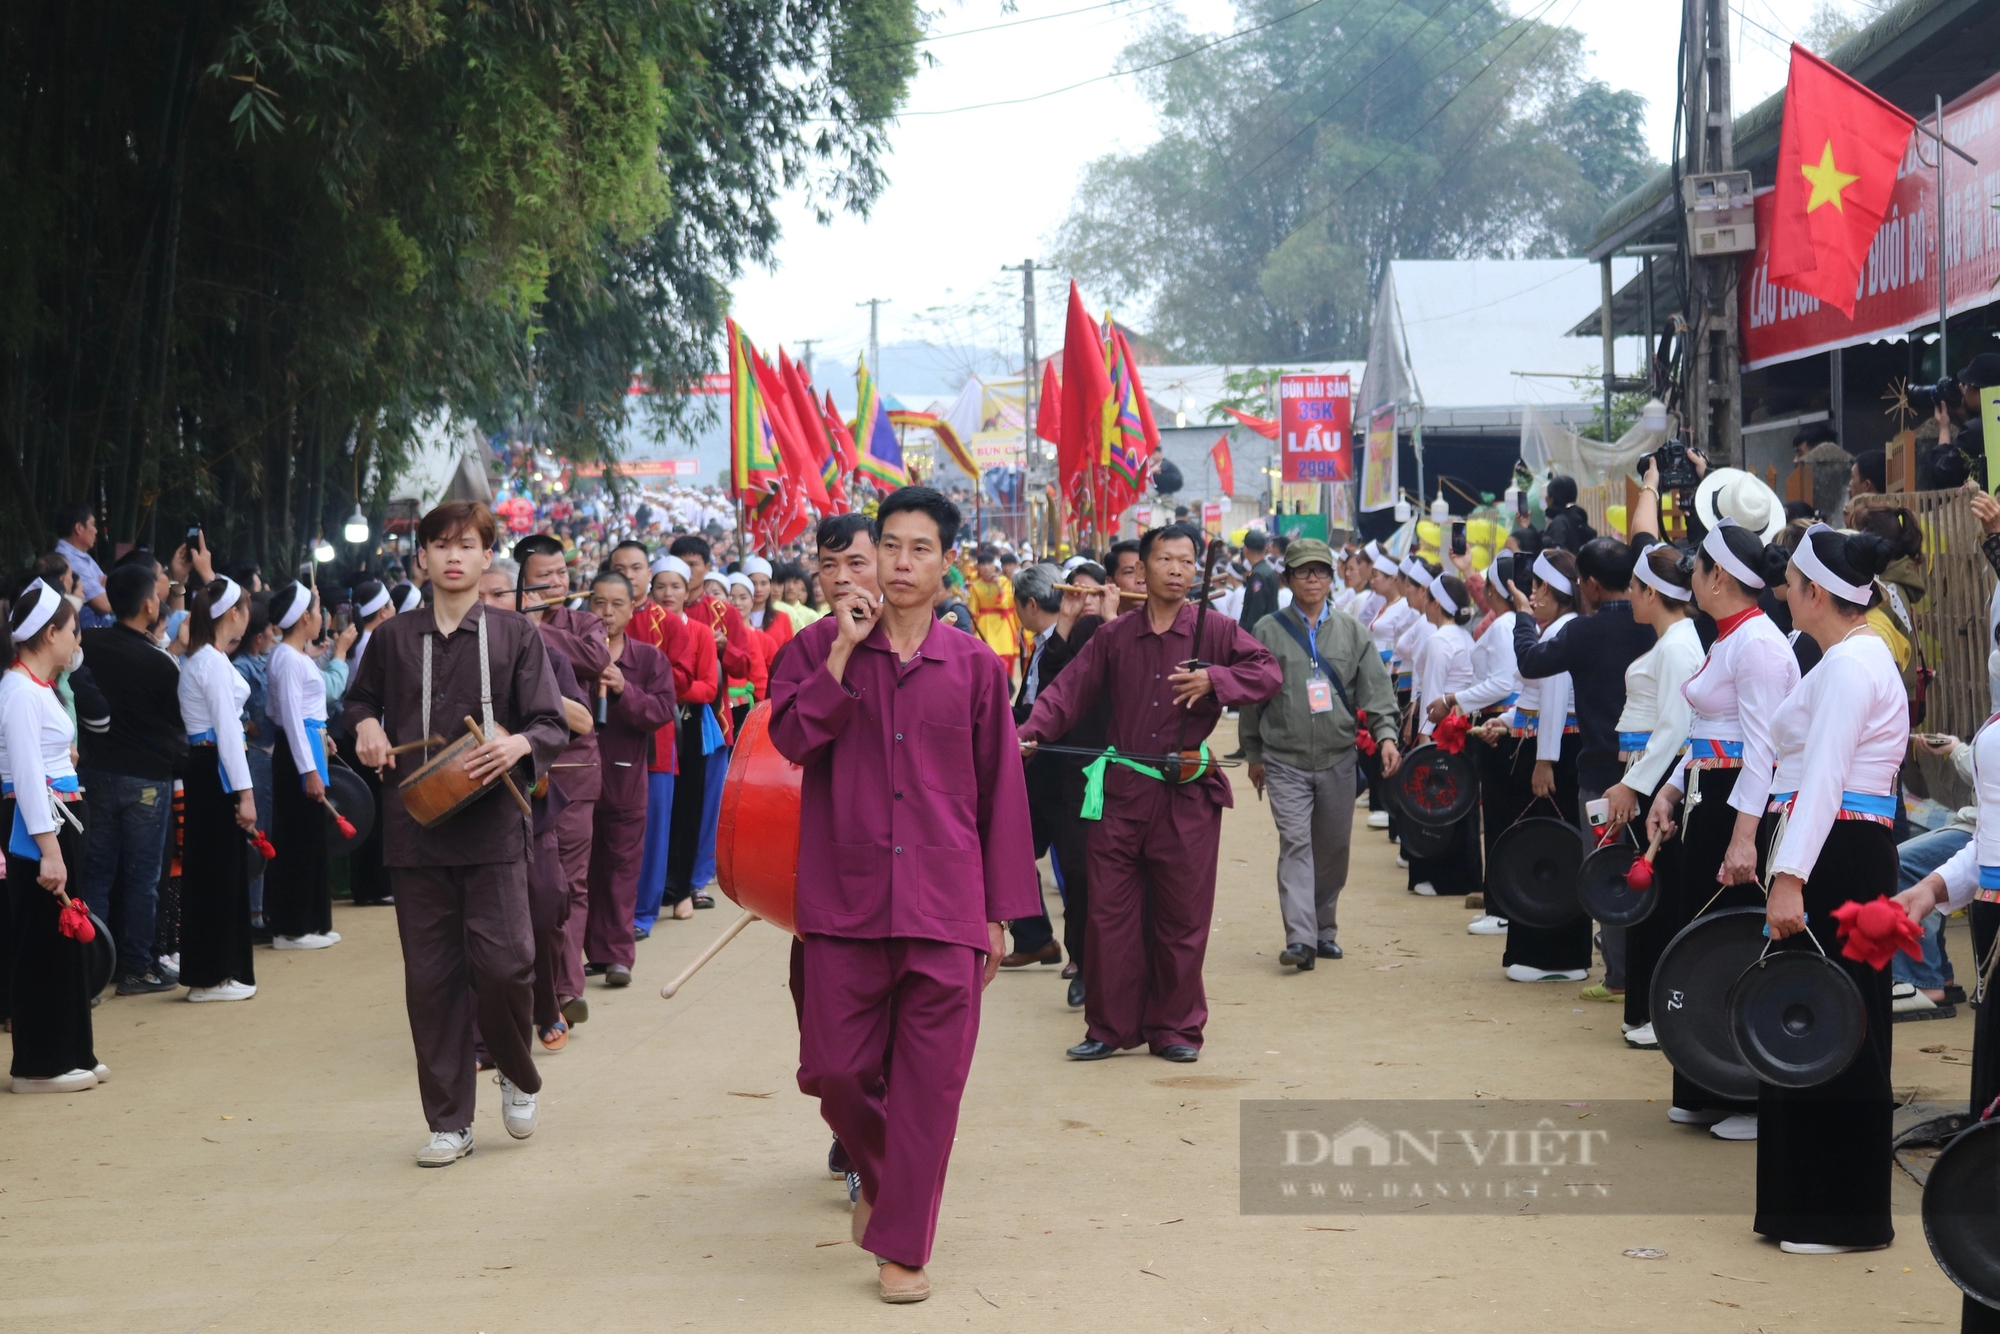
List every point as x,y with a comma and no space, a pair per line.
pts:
1048,413
1838,152
1266,428
843,439
1086,388
1225,464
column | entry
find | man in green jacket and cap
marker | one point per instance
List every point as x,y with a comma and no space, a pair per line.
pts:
1300,746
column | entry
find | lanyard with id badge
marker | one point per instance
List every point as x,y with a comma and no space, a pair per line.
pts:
1319,690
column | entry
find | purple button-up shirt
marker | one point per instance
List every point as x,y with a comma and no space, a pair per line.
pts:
913,814
1127,663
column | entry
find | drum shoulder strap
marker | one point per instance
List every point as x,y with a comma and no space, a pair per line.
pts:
485,684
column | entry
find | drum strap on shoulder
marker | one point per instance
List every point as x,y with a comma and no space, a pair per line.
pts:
485,685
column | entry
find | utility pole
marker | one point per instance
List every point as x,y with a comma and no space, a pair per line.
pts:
874,304
1712,397
807,359
1030,362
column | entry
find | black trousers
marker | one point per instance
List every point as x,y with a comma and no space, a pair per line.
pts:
297,900
215,880
1562,948
1705,834
1060,830
690,788
1823,1157
1645,942
50,1000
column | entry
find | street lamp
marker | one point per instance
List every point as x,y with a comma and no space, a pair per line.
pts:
356,531
322,551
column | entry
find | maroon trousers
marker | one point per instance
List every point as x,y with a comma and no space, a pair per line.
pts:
616,849
874,1004
573,836
1152,898
548,911
467,941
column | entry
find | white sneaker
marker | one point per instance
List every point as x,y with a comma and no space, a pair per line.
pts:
330,937
1645,1039
446,1147
103,1073
1823,1248
1682,1116
227,990
1378,819
1425,889
307,942
1521,972
517,1109
74,1081
1361,801
1487,925
1742,1126
1402,862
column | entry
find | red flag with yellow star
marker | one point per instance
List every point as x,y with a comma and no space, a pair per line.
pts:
1838,151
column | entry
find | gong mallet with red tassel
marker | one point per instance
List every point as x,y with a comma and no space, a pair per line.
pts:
1639,875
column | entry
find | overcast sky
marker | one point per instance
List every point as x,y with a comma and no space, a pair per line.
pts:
972,190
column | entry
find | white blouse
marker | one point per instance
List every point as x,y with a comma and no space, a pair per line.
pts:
39,734
297,692
1495,675
1549,698
1388,623
1734,697
1365,605
1411,642
1961,873
1444,665
1845,729
213,694
1654,703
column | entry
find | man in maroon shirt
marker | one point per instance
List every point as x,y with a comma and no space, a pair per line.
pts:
918,852
579,637
1152,855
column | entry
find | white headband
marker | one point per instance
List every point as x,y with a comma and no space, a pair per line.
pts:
231,590
1443,598
413,597
1815,569
1413,570
372,605
757,565
1493,574
1546,571
46,602
296,608
1644,569
672,565
1373,551
1719,552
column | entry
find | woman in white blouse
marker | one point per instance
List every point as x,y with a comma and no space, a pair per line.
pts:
1823,1153
220,803
1444,664
49,991
1390,616
297,905
1651,728
1545,724
1495,688
1726,769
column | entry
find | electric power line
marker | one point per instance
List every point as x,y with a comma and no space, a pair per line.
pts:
992,27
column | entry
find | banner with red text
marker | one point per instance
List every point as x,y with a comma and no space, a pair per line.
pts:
1316,428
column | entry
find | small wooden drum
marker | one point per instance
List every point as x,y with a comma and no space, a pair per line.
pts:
757,827
442,788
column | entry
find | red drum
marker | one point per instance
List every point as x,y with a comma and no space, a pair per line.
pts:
757,828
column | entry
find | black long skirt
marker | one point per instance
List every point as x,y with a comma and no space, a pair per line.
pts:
367,878
215,880
690,787
297,900
50,1001
1823,1155
1564,948
1645,942
1975,1317
1705,834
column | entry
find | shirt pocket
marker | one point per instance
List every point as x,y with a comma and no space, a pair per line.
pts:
946,759
860,877
951,884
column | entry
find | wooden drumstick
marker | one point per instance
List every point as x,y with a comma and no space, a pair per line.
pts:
714,948
408,746
506,778
1124,595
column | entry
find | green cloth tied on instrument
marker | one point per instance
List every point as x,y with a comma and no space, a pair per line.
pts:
1093,777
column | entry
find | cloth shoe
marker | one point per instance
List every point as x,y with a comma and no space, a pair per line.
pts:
517,1108
1487,925
1402,862
900,1286
70,1081
306,942
1742,1126
1521,972
1600,992
1378,819
1823,1248
1643,1038
446,1147
1424,889
229,989
1682,1116
102,1071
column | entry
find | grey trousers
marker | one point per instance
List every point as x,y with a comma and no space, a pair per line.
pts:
1314,812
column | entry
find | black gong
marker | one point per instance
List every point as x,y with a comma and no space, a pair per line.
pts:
1533,871
100,956
1603,892
1690,998
1962,1212
1435,787
1797,1017
345,789
1420,840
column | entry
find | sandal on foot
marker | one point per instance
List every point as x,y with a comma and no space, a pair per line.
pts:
555,1037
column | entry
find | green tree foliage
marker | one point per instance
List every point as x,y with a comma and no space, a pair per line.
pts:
1297,160
248,245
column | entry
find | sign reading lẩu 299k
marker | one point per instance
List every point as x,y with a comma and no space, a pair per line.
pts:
1316,428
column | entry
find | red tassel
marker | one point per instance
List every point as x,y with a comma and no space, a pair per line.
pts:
1450,733
1874,933
340,823
1363,740
1639,876
75,922
262,843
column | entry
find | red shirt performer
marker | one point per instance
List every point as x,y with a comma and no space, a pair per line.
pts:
1152,854
919,850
